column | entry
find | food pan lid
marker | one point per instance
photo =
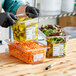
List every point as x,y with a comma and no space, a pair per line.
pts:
31,20
11,42
67,35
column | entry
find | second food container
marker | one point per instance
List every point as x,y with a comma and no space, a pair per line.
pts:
26,29
58,46
29,52
56,39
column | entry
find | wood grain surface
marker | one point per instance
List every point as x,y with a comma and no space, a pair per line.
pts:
66,66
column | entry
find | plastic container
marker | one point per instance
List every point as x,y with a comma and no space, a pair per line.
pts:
50,7
26,29
56,39
29,52
58,46
68,5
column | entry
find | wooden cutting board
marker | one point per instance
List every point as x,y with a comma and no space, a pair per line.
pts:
66,66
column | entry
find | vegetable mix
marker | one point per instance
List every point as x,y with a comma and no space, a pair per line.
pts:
56,39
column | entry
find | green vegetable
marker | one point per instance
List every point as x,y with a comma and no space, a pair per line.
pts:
50,31
46,32
46,27
41,25
54,31
60,39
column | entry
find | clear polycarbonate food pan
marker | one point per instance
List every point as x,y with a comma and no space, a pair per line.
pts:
25,29
57,44
29,52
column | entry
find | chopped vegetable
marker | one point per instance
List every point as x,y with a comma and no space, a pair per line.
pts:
52,30
29,52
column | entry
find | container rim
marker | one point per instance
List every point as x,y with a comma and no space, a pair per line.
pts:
27,52
58,36
23,14
44,47
67,35
35,20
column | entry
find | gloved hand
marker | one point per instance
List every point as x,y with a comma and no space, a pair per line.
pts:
32,12
7,19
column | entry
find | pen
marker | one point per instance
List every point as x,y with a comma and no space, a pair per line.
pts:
50,66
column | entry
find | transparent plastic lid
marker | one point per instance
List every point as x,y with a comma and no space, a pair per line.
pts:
67,35
14,44
27,20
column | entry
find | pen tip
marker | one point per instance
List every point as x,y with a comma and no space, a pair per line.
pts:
46,68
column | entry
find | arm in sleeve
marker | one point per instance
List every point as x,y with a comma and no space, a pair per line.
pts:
12,5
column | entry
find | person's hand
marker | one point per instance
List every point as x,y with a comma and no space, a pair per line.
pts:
7,19
32,12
